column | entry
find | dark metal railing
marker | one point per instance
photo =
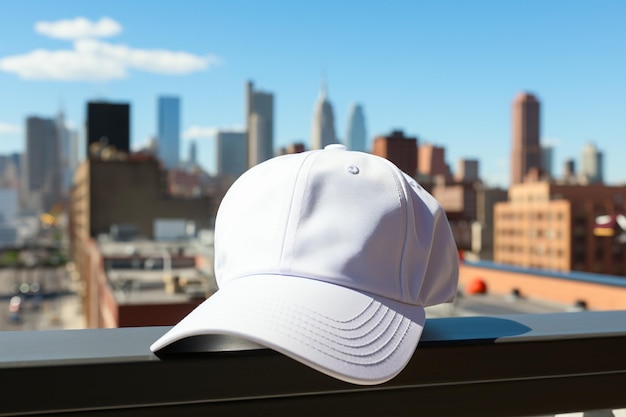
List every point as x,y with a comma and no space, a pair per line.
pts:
518,365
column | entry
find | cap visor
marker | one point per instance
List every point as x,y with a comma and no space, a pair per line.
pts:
350,335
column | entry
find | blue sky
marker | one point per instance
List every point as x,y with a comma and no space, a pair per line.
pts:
444,71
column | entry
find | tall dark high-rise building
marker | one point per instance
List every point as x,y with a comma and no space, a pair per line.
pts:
42,164
231,153
108,123
169,131
546,161
526,152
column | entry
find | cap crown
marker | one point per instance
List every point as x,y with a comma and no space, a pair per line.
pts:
347,218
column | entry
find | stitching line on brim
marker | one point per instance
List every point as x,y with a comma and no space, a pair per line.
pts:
278,321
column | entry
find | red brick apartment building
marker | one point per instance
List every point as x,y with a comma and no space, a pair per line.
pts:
432,161
399,149
550,226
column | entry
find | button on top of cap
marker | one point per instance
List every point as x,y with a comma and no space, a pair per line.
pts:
335,146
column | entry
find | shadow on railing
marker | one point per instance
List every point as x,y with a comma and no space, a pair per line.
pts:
517,365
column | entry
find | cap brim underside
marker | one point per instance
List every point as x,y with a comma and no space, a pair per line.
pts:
347,334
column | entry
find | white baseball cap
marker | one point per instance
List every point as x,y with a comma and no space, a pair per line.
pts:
328,256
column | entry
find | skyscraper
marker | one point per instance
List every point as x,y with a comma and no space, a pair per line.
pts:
193,154
231,153
108,123
546,161
467,171
169,131
68,153
259,125
356,134
591,165
42,165
323,131
526,151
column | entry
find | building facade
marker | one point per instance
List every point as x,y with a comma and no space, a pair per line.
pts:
10,175
526,150
68,154
550,226
432,161
591,165
42,167
482,228
8,216
547,155
467,171
259,125
169,131
356,132
399,149
231,153
108,124
130,192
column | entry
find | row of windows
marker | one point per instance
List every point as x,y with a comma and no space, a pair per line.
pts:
578,253
532,215
531,198
532,233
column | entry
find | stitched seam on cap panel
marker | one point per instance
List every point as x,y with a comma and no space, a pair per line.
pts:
282,269
400,256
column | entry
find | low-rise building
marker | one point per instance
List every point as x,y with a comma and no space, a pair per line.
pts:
144,283
551,226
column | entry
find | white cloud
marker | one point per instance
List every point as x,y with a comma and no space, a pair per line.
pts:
92,60
200,132
67,65
79,28
151,60
8,128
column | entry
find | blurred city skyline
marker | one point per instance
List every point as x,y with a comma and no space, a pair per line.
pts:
445,72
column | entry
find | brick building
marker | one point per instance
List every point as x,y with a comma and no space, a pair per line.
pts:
399,149
550,226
